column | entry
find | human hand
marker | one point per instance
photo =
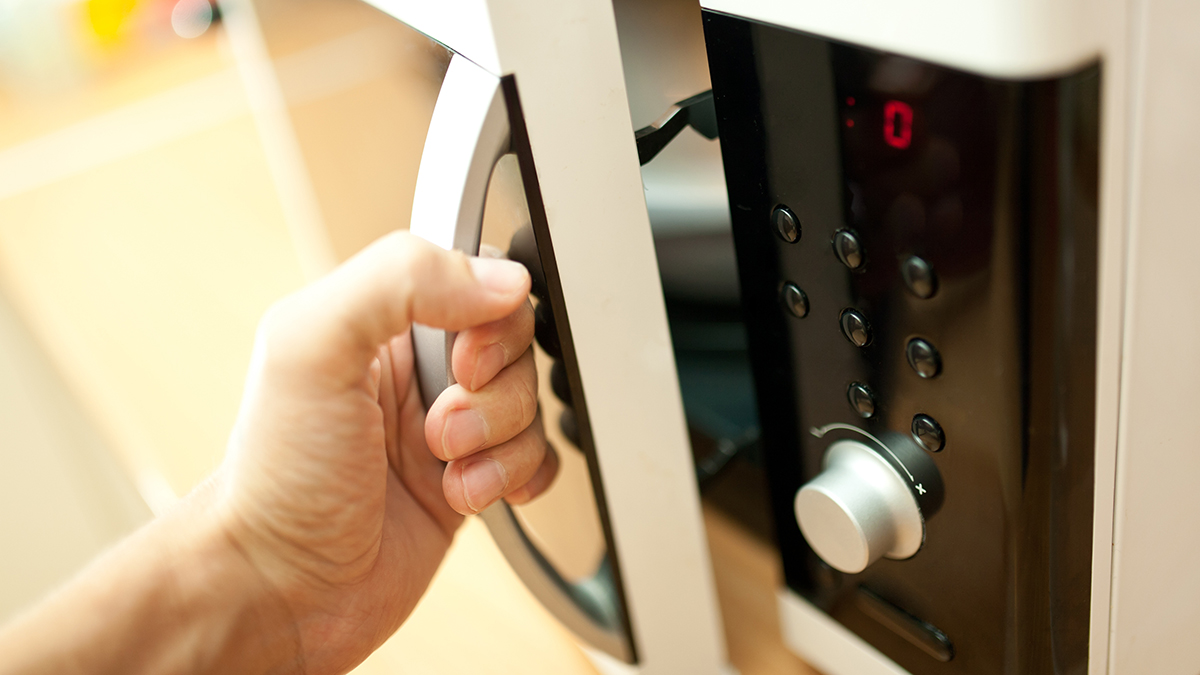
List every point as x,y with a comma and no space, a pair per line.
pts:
315,539
334,488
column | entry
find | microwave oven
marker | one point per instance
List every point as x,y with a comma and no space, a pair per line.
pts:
914,137
963,259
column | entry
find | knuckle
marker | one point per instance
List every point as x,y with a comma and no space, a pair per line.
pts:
407,260
401,244
270,323
527,399
414,253
525,324
293,337
276,332
538,449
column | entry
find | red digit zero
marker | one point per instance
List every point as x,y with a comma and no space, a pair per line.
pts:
897,124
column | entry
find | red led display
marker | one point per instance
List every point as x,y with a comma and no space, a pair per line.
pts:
897,124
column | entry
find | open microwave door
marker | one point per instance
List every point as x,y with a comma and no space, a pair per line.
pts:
539,137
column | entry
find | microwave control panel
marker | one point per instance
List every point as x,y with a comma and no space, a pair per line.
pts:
917,251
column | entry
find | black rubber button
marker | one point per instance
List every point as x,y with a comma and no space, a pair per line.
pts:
545,330
568,423
862,399
559,383
794,300
787,225
923,358
523,249
848,249
928,433
855,327
919,277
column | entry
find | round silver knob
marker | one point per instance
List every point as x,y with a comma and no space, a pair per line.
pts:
858,509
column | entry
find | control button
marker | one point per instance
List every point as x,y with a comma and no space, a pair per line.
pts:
923,358
928,433
568,423
848,249
787,226
546,331
862,399
858,509
523,249
924,635
559,383
919,277
794,300
855,327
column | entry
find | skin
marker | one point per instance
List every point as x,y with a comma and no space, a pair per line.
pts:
339,495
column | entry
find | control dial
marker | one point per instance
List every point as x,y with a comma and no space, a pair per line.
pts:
861,507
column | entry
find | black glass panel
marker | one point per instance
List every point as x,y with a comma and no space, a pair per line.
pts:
956,214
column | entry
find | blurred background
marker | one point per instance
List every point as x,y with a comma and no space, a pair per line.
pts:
168,168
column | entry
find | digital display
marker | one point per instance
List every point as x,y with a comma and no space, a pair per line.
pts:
897,124
918,158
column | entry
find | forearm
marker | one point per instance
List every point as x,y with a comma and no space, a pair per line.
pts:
342,503
175,597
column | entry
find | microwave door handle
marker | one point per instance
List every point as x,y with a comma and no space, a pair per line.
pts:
468,134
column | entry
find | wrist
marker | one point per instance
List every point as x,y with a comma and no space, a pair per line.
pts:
231,618
175,597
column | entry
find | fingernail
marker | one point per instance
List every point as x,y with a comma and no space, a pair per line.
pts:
499,276
488,363
483,482
464,432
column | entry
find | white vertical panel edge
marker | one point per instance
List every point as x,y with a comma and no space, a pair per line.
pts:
568,71
1156,591
567,64
1110,316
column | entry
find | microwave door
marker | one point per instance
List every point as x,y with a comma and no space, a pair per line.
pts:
531,135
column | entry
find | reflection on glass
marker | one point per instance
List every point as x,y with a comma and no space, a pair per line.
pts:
564,522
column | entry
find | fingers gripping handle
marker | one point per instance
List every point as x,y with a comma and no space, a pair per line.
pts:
468,134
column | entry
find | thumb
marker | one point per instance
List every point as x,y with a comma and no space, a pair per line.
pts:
337,324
